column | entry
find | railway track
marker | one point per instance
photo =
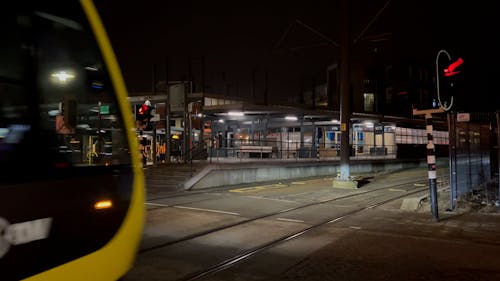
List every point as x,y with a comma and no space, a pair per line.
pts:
407,184
359,202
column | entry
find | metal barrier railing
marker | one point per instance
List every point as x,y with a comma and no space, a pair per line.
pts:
271,149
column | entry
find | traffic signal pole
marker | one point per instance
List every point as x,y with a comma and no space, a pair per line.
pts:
450,70
431,157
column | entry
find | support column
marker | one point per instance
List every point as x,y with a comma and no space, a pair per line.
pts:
345,97
344,181
167,116
301,131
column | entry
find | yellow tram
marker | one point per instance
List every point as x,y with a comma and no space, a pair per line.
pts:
71,184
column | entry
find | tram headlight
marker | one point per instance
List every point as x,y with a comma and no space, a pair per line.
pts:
103,204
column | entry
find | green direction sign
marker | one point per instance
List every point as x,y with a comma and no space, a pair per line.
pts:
104,109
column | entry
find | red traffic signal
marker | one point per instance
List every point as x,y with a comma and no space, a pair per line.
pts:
144,111
451,69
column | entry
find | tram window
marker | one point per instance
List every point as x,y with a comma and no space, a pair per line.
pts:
51,73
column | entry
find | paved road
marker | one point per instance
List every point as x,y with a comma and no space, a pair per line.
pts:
381,243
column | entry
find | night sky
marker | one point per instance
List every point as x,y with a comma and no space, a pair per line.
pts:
237,38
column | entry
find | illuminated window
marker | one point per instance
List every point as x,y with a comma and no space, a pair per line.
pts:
369,102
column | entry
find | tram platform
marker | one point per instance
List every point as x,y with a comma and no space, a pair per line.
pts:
228,172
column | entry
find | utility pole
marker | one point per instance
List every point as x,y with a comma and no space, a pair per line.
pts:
186,132
345,100
167,116
153,142
345,46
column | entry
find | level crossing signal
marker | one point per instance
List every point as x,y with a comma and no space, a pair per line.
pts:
143,114
448,74
452,70
451,79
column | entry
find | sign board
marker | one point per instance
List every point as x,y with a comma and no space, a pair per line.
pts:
156,117
177,94
104,109
463,117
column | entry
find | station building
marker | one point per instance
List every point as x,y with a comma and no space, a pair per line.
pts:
204,125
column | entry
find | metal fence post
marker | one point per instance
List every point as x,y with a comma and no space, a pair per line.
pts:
497,203
452,158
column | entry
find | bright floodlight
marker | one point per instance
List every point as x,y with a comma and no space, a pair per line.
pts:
62,76
291,118
235,113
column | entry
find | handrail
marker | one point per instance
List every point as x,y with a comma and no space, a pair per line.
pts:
199,149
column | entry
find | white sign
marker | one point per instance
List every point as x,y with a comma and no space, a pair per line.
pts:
23,232
156,117
463,117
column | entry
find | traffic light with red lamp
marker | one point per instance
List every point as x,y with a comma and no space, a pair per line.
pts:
143,114
452,74
449,76
452,70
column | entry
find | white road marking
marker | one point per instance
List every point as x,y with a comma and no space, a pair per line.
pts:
207,210
250,189
257,188
290,220
355,227
156,204
272,199
395,189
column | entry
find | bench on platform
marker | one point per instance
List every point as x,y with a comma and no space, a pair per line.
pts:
252,151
